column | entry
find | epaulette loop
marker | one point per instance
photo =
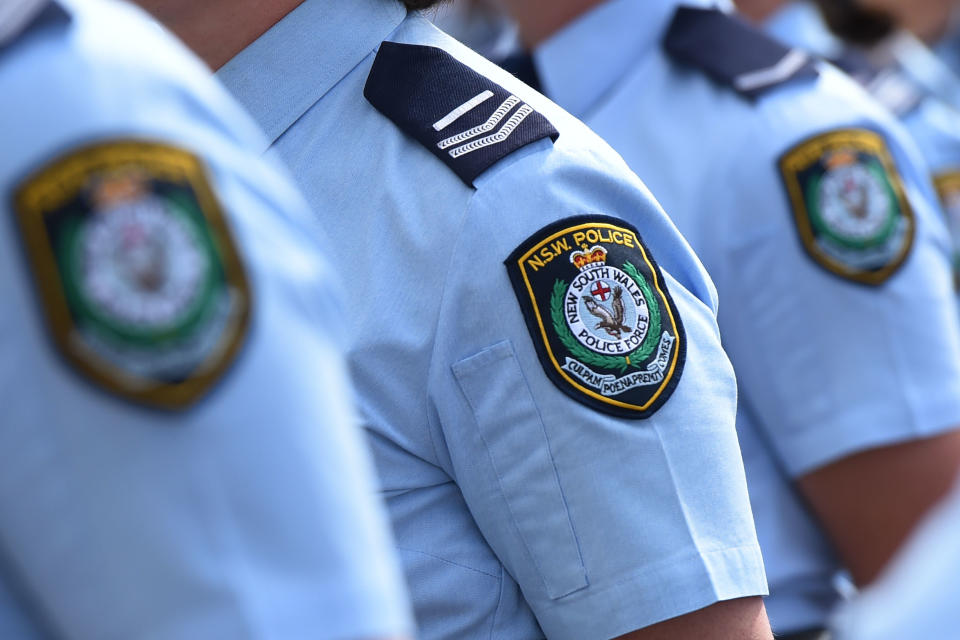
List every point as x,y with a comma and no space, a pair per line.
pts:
465,119
734,53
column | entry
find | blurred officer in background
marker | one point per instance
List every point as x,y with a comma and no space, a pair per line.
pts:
917,596
480,24
537,354
947,43
181,458
814,215
897,70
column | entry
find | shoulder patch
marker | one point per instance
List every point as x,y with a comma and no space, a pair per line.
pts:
142,287
462,117
948,188
604,325
849,205
733,52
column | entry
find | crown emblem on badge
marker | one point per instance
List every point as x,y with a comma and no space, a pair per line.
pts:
118,188
840,159
590,258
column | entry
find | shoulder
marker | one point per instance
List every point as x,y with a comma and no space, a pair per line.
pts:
734,53
59,58
469,113
77,86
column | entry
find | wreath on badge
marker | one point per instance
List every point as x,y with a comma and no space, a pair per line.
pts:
620,363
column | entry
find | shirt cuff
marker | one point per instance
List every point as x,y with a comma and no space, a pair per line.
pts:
662,591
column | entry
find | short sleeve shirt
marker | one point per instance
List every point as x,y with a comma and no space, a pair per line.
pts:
247,512
826,366
519,511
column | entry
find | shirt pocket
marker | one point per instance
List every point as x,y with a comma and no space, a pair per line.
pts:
513,432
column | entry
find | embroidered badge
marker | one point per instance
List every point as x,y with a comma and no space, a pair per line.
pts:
604,325
143,290
948,187
849,204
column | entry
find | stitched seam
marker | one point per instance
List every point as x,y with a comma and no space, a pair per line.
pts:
696,555
556,474
496,611
432,424
503,492
450,562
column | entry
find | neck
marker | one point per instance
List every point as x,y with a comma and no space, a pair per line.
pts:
537,20
757,11
217,30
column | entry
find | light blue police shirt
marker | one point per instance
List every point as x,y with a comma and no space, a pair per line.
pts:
249,513
826,367
932,121
519,512
917,595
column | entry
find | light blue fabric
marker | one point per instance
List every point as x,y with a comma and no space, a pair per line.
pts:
826,367
249,515
518,511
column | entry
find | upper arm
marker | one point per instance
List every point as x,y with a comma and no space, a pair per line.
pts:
244,510
586,502
871,501
854,383
830,364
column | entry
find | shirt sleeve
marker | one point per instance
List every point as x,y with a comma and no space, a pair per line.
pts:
831,366
249,514
608,524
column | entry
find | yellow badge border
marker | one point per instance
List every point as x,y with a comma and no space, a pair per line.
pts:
946,182
657,285
58,183
807,153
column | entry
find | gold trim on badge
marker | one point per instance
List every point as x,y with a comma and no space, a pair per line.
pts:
807,154
657,285
947,184
55,186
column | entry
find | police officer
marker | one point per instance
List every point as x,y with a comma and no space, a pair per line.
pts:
812,212
181,458
536,349
897,70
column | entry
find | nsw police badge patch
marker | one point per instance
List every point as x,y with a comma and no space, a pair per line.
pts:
604,325
948,188
143,290
849,205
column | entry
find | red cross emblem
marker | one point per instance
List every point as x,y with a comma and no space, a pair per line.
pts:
600,290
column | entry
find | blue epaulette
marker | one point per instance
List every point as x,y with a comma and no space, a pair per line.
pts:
461,116
734,53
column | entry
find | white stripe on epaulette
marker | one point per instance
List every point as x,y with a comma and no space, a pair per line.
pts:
786,67
502,134
488,126
462,110
15,15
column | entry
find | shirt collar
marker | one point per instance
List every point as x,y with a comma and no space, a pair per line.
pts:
580,63
290,67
